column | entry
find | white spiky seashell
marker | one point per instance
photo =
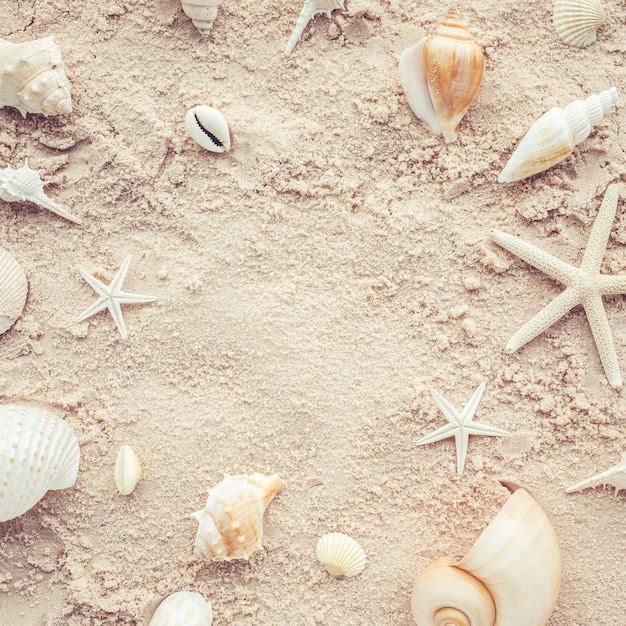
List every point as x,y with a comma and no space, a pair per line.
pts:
13,290
614,476
38,451
310,9
127,470
231,523
340,554
202,14
576,21
26,185
208,127
186,608
553,136
32,77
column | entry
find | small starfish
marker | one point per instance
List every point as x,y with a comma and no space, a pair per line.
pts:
615,476
111,296
584,285
461,425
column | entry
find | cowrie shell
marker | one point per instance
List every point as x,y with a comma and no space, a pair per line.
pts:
208,127
127,470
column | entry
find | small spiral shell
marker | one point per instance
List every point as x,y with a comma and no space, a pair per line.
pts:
202,14
340,554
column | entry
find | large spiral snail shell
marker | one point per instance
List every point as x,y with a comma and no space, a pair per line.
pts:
510,576
441,75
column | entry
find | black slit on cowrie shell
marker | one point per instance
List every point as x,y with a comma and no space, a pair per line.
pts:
209,134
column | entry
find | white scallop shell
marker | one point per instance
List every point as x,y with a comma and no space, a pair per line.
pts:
127,470
340,554
202,14
208,127
38,451
13,290
183,608
576,21
310,9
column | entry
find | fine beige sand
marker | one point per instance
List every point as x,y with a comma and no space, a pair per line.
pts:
314,284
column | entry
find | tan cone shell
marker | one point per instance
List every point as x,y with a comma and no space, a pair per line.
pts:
13,290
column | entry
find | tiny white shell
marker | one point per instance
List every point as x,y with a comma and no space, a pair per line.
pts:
13,290
576,21
614,476
183,608
202,14
127,470
208,127
340,554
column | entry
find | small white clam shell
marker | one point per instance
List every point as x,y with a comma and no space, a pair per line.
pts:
208,127
576,21
13,290
186,608
340,554
127,470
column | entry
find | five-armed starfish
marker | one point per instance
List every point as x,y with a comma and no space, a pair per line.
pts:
460,425
584,285
111,296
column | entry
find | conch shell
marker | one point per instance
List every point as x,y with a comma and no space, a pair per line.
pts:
13,290
510,576
552,138
202,14
38,452
32,77
310,9
576,21
183,607
441,75
231,523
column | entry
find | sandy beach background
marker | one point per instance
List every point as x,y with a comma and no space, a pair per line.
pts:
313,285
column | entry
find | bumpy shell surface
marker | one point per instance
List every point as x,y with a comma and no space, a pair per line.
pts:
511,574
614,476
552,138
208,127
340,554
310,9
38,451
127,470
183,608
13,290
32,77
576,21
231,523
202,14
26,185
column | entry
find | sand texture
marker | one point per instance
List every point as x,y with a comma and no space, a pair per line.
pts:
314,284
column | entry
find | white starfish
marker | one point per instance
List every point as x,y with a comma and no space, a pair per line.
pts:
461,425
615,476
111,296
584,285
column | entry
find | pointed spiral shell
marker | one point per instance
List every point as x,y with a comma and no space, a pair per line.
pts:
183,608
576,21
310,9
340,554
13,290
202,14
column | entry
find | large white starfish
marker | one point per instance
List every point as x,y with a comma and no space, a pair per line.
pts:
111,296
584,285
460,425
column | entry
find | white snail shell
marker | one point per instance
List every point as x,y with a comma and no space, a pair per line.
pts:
32,77
510,576
202,14
38,451
13,290
208,127
576,21
128,470
553,136
183,608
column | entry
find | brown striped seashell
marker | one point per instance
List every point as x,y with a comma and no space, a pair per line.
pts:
576,21
13,290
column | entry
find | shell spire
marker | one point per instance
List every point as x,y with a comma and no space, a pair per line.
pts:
310,9
202,14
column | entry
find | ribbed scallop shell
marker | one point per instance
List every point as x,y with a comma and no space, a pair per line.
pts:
38,451
32,77
13,290
231,523
340,554
576,21
183,608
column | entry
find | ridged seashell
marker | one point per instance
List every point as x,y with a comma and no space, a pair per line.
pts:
186,608
576,21
208,127
340,554
231,523
441,75
127,470
13,290
38,451
310,9
614,476
202,14
32,77
552,138
510,576
26,185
